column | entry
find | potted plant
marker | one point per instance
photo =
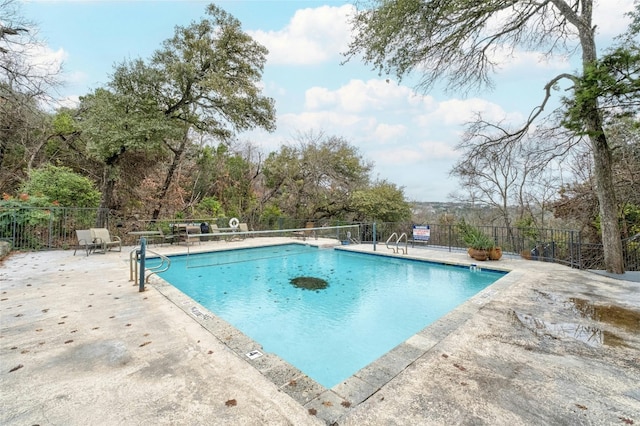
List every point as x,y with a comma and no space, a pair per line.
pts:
495,253
478,242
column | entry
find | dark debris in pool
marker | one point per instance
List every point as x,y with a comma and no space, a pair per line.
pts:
309,283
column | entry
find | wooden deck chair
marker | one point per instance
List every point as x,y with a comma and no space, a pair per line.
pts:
85,241
103,239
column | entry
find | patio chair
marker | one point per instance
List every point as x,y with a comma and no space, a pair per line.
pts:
85,241
103,239
190,231
308,232
164,238
213,228
244,228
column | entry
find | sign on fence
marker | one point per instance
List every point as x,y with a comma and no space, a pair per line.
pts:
421,232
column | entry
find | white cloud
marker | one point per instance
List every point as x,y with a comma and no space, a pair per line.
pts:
389,132
311,37
527,61
320,97
359,96
77,77
608,16
418,153
328,120
374,114
438,150
398,156
40,60
457,112
67,102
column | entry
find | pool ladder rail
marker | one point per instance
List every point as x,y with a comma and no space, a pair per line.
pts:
134,259
398,248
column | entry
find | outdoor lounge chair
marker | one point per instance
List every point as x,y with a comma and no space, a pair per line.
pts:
85,241
191,230
104,241
164,238
213,228
235,236
308,232
244,228
238,234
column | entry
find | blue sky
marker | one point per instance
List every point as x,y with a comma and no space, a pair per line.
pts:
410,137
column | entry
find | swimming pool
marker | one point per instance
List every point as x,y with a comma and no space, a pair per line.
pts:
372,303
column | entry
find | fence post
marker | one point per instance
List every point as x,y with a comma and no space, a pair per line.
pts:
374,236
580,250
13,230
50,242
572,250
450,237
143,256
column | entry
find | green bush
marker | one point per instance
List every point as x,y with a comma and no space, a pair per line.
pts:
62,187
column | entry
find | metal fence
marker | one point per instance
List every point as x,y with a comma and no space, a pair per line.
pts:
54,228
46,228
35,228
546,245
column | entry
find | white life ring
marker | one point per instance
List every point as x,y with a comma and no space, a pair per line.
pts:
234,222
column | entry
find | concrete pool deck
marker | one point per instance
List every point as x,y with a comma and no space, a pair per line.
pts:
80,345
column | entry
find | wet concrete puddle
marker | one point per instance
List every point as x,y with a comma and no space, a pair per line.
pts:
592,321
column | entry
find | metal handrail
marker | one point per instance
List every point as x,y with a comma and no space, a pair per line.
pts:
406,243
389,239
162,267
397,248
133,265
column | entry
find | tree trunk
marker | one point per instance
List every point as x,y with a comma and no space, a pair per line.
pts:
106,202
613,257
3,145
177,157
610,229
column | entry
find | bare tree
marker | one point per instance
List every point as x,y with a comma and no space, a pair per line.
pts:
459,41
25,82
23,67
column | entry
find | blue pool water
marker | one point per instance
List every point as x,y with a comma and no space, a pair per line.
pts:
372,303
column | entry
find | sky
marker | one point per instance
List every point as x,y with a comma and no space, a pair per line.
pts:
409,136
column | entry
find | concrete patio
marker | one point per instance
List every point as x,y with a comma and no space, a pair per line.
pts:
80,345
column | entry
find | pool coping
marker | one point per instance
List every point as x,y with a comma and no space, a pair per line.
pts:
332,404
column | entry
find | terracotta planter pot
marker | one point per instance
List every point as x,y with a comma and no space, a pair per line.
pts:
478,254
495,253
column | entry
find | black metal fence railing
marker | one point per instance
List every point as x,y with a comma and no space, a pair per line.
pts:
592,255
547,245
54,228
46,228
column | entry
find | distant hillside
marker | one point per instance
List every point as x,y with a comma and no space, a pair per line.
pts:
438,207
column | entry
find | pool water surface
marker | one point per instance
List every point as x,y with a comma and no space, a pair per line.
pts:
372,303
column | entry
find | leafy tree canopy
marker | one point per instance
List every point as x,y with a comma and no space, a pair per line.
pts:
315,178
383,201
